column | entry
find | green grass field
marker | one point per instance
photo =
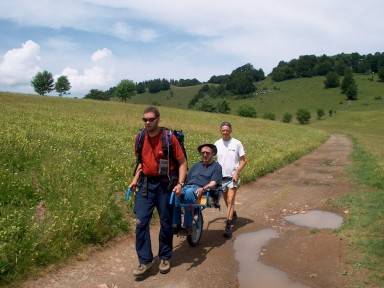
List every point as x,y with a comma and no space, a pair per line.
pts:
66,164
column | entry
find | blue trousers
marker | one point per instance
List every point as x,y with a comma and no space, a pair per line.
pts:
188,196
157,196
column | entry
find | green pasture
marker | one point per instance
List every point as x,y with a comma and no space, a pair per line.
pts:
65,165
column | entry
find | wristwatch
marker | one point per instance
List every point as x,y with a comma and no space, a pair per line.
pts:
181,184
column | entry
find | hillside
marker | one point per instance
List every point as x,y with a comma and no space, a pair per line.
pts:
285,96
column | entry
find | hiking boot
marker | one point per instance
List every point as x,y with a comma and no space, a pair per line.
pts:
234,216
142,269
165,266
176,229
228,231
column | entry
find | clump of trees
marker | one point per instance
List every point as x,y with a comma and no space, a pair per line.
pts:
212,97
311,65
43,83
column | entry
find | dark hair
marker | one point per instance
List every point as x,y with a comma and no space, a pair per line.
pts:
152,109
226,124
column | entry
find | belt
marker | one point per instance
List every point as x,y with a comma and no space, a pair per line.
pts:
154,179
227,178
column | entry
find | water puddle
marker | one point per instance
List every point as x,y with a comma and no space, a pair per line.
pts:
316,219
253,273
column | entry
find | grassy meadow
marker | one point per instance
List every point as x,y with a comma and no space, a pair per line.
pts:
66,164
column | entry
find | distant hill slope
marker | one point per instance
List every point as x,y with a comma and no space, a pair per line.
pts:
285,96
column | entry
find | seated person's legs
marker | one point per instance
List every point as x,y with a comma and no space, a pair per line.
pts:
189,197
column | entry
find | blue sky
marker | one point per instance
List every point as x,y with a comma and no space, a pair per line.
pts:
97,43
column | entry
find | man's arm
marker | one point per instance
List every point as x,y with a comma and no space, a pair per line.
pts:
242,163
136,177
182,175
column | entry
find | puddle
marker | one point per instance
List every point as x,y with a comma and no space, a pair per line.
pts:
316,219
254,274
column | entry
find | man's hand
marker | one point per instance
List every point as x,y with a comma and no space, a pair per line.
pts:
177,190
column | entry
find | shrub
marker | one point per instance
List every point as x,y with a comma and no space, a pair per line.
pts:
269,116
320,113
303,116
287,117
247,110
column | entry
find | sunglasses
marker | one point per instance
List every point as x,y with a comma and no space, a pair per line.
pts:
150,120
205,153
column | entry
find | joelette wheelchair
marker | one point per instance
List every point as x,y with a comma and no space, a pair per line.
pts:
209,199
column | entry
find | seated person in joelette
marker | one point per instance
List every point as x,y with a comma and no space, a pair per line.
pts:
204,175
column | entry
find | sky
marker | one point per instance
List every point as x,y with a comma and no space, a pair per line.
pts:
98,43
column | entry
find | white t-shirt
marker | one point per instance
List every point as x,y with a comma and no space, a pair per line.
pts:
228,155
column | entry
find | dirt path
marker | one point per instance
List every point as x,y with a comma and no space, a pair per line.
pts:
313,259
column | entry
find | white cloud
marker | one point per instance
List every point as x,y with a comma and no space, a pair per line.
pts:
99,76
101,54
177,39
19,65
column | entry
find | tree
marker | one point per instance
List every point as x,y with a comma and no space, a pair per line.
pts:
303,116
206,104
332,80
222,106
125,90
349,86
62,85
43,82
381,74
140,88
97,94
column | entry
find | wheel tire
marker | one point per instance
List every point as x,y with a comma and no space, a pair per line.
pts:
197,228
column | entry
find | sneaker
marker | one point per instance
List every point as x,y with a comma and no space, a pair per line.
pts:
228,231
176,229
165,266
142,269
234,216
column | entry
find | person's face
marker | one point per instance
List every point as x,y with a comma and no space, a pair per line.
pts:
226,132
150,121
206,155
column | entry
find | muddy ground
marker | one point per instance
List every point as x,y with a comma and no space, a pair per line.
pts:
314,258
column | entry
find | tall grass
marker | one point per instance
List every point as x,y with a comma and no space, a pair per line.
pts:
66,163
365,225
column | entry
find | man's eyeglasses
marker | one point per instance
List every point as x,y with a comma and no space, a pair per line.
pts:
150,120
205,153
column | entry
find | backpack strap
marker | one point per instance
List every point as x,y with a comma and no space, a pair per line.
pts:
167,143
139,147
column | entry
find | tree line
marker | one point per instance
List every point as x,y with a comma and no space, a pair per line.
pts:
239,84
311,65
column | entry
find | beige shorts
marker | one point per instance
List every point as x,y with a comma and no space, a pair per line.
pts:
233,184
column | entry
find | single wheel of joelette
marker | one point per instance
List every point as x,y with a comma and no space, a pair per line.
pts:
197,228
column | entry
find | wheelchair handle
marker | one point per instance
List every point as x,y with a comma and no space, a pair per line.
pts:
172,197
226,184
128,194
